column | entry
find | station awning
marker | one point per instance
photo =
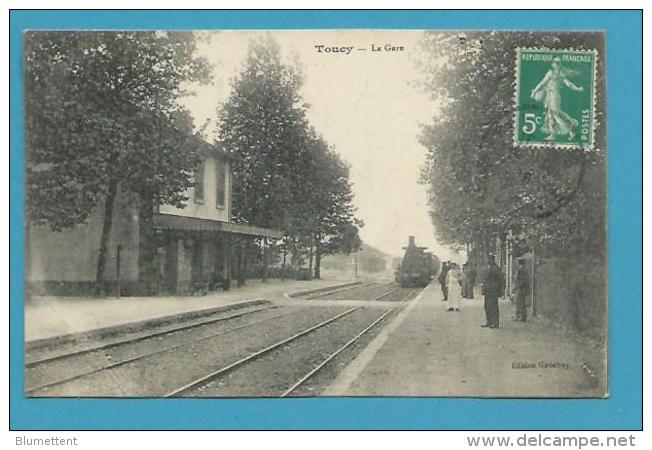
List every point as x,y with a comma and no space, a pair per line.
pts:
183,223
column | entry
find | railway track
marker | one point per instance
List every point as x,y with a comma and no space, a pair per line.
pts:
35,362
333,355
280,350
200,358
75,375
400,294
347,291
387,293
159,372
373,291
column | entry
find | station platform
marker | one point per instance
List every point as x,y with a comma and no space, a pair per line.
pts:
427,351
48,317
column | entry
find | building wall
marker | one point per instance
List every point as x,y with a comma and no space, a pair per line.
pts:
66,261
184,273
199,257
206,209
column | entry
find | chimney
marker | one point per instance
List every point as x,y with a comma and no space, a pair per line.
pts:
411,243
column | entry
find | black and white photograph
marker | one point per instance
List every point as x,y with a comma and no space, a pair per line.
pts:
315,213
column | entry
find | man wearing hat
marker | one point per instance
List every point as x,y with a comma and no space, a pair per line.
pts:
492,288
443,280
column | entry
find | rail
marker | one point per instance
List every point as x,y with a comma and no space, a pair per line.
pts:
68,379
334,354
215,374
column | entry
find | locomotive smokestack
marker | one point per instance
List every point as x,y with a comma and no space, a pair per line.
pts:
411,241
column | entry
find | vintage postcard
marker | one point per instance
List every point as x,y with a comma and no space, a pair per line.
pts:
315,213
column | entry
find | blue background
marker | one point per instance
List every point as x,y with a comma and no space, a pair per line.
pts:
623,410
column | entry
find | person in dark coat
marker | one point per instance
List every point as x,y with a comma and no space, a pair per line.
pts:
465,284
492,288
469,280
522,287
443,280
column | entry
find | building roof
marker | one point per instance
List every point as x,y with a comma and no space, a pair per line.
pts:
216,149
184,223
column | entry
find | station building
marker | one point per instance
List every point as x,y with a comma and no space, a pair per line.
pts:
193,243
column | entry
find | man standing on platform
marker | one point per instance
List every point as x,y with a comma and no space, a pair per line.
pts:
443,280
492,288
469,279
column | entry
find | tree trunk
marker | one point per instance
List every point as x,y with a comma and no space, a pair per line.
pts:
318,260
264,242
285,253
295,259
227,263
311,255
243,263
237,267
109,202
146,245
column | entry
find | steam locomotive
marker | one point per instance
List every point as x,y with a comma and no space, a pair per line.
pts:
418,266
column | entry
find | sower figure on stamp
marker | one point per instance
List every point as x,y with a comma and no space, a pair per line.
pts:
443,280
522,285
492,288
548,90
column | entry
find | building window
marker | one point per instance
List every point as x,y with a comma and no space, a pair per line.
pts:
220,184
199,183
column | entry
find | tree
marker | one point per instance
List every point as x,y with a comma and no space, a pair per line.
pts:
335,228
100,115
263,124
479,184
284,174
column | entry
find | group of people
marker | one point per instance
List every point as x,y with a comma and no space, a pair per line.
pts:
457,283
462,281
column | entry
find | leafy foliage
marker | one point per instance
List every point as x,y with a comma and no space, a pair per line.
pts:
284,175
100,115
336,228
479,184
99,111
263,123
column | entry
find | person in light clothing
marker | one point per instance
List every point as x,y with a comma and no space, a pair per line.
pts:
454,280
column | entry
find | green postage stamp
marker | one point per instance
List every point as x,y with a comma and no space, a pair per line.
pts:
555,98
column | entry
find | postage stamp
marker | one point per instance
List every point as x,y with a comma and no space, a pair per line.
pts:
555,98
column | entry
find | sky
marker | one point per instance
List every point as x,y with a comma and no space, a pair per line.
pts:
365,105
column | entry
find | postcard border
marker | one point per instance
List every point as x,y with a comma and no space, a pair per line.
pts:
622,411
